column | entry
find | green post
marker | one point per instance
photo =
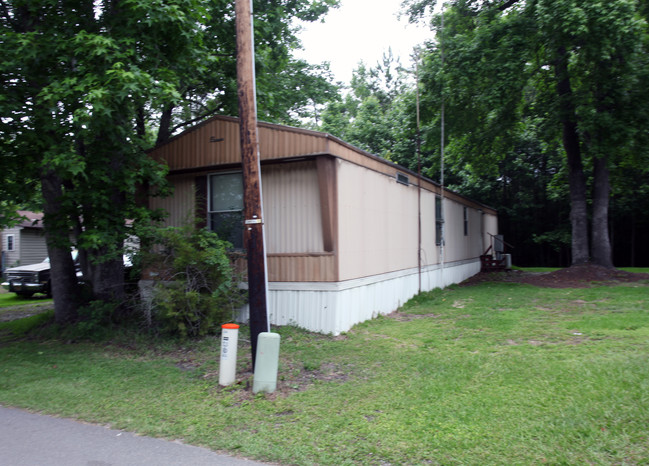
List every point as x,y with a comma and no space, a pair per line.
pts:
265,378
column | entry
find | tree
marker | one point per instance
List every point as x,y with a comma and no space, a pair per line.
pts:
87,87
576,65
370,116
288,90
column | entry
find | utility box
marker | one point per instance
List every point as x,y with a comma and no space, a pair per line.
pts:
266,363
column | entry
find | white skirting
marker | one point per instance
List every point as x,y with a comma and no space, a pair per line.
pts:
334,308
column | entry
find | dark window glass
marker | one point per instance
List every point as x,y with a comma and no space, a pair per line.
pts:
225,210
439,222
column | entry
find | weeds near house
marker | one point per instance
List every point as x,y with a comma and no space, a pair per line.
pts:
200,290
497,373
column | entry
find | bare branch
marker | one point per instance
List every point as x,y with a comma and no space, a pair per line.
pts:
507,4
193,120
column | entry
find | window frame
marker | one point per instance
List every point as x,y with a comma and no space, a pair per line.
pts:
209,206
439,221
11,242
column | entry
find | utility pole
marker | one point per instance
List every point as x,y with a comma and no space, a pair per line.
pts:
252,198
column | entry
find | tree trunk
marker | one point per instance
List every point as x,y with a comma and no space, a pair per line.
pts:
633,240
601,244
63,278
107,279
571,144
164,128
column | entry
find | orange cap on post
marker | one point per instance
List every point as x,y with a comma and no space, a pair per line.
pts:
230,326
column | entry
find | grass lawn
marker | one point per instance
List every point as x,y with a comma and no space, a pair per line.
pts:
12,299
496,373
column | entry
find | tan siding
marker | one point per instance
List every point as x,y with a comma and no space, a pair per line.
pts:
194,149
217,143
375,227
292,217
377,221
179,206
475,238
292,208
301,268
455,244
379,225
429,250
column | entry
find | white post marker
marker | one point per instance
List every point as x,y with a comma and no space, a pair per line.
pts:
229,342
267,361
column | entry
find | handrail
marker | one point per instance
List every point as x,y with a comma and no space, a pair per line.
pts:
504,242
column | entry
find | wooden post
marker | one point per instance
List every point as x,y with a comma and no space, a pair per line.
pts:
252,200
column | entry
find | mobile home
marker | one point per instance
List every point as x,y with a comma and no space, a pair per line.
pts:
349,235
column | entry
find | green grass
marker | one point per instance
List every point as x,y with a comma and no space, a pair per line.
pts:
12,299
552,269
536,269
497,373
20,327
636,269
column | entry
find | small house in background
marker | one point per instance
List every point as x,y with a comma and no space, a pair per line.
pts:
349,235
24,244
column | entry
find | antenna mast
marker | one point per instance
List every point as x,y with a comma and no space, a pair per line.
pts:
441,163
418,169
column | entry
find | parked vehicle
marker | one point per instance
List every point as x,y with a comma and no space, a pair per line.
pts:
35,278
28,279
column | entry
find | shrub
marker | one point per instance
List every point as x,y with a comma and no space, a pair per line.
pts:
200,289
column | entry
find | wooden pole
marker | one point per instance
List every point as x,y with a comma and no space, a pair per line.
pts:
252,197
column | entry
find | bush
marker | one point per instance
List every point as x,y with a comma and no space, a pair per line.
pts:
197,289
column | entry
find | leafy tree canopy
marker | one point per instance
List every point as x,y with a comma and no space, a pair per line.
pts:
576,70
88,85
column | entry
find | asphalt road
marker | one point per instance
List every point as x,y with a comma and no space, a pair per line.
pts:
28,439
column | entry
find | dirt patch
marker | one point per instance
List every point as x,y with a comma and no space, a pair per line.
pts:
577,276
294,378
404,317
20,312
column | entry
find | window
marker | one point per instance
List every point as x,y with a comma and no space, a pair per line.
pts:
466,221
225,209
10,243
439,222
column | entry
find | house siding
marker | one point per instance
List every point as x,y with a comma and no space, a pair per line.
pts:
292,208
378,222
179,206
11,258
217,143
292,218
33,248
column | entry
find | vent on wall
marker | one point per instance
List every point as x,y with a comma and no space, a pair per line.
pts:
403,179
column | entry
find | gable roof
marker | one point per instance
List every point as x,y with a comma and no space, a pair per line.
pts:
30,219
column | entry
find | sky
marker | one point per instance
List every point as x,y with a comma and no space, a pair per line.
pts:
360,30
